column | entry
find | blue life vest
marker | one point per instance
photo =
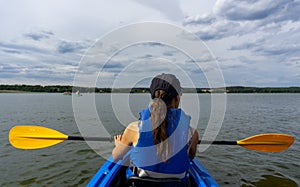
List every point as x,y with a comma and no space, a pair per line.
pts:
144,154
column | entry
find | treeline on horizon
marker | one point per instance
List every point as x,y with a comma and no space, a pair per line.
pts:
67,88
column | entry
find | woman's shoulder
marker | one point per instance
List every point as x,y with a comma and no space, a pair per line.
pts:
131,134
133,126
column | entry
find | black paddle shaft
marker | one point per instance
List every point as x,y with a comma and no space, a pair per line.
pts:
110,139
80,138
218,142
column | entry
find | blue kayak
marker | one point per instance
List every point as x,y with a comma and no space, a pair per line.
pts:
114,174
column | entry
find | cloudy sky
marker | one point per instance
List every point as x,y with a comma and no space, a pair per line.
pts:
254,42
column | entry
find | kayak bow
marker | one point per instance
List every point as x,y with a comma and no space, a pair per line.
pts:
113,174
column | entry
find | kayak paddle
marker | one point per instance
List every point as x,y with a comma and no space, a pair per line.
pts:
272,142
35,137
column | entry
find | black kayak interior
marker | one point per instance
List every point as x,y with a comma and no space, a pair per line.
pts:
121,180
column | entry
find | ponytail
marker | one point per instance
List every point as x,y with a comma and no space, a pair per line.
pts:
158,114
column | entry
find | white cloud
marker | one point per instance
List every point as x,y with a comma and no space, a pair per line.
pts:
248,34
231,18
249,10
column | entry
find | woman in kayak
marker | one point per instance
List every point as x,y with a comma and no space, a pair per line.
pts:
162,141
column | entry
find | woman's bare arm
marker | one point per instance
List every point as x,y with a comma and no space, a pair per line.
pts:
123,142
192,150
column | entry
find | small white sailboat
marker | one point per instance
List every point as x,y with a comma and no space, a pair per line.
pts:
78,93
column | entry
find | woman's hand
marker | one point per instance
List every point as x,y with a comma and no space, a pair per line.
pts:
117,139
124,142
120,148
192,150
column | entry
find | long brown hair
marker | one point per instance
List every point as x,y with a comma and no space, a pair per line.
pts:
159,107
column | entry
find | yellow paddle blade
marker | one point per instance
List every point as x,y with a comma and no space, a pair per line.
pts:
34,137
267,142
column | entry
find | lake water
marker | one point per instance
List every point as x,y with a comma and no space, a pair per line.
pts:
74,163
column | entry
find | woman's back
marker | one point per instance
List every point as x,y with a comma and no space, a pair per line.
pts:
144,154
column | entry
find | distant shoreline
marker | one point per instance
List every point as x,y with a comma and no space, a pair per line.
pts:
62,89
13,91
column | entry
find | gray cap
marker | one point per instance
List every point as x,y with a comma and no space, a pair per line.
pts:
167,82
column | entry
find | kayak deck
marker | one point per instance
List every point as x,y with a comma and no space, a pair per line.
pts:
113,174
